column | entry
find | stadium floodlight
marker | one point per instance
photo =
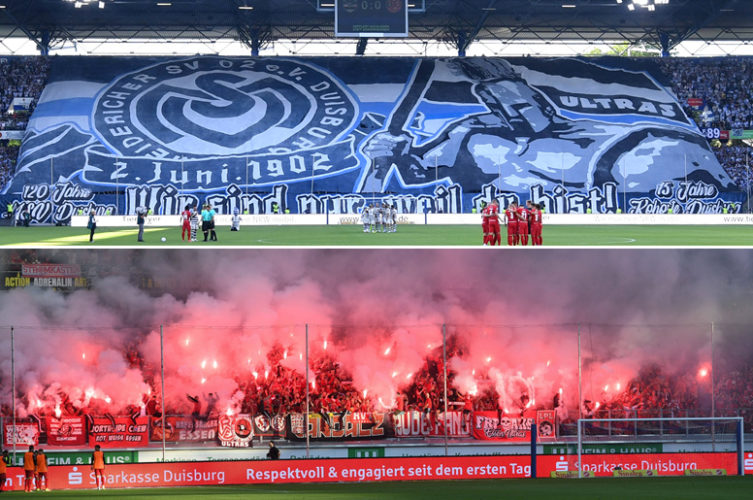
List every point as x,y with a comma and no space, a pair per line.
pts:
82,3
649,5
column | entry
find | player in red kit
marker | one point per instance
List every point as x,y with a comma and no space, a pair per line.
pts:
493,225
485,222
536,223
511,221
185,216
529,206
522,225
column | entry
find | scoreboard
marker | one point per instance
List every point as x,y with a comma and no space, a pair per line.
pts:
371,18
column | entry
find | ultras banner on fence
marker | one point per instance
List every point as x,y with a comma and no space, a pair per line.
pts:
491,426
65,431
119,432
418,424
183,429
329,135
363,470
26,433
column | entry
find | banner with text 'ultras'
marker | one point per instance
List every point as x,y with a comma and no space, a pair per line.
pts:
331,135
365,470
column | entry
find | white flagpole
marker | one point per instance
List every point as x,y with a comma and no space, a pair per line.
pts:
747,172
306,428
685,165
162,365
444,376
13,387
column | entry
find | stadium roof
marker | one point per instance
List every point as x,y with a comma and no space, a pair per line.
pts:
456,22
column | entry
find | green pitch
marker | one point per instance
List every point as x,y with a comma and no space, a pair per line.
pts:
407,235
687,488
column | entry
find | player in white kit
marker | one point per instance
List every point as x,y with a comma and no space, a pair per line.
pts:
366,218
377,217
386,218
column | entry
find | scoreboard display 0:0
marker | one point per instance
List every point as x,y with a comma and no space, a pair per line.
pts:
371,18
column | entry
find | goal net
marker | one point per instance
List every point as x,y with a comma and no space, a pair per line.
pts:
654,446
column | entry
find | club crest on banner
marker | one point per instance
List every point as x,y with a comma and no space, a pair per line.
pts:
211,106
235,431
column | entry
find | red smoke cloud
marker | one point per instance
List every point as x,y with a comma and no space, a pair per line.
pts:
513,319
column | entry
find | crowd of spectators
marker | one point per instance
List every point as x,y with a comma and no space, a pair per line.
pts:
736,160
655,393
652,388
19,77
280,390
722,83
8,156
722,86
733,391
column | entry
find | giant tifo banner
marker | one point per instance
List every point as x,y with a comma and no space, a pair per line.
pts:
331,135
362,470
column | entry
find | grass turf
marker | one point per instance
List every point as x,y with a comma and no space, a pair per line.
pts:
407,235
547,489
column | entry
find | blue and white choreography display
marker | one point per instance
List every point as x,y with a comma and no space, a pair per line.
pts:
337,134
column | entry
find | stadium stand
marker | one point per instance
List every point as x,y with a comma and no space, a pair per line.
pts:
271,388
724,97
19,77
722,83
8,155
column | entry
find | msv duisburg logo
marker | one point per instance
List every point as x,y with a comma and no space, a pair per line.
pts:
213,107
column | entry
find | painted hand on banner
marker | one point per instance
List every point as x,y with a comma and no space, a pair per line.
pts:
384,144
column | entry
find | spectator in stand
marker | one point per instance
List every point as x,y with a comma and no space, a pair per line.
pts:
152,407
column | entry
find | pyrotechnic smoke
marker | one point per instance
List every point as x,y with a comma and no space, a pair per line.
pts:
513,321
